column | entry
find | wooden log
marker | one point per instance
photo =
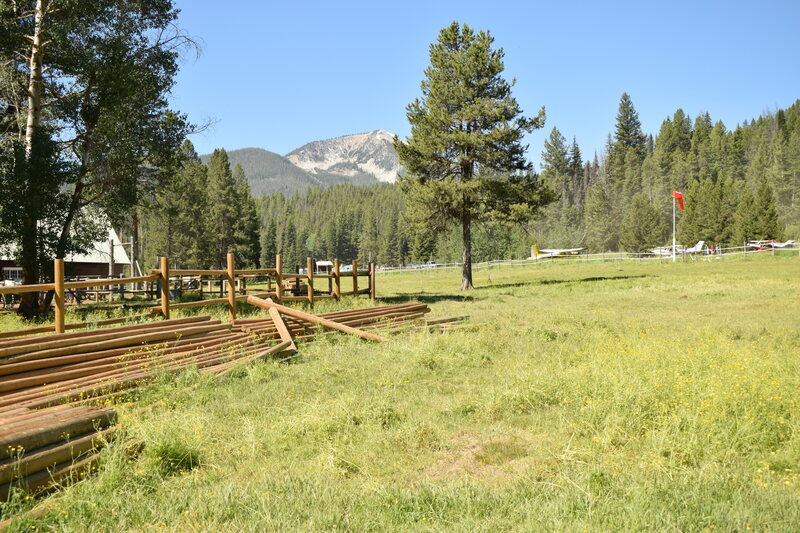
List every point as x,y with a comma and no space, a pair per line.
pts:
231,287
165,287
86,337
117,342
46,479
188,272
65,362
279,277
21,289
283,331
324,322
58,297
37,437
372,281
87,334
355,277
337,280
108,282
49,456
445,320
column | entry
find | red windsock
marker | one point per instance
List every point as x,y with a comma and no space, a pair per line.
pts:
679,197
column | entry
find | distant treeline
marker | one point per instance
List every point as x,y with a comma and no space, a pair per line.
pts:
739,185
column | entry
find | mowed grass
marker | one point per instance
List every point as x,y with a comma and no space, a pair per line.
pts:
596,397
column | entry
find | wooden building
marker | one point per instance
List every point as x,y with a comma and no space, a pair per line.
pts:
98,262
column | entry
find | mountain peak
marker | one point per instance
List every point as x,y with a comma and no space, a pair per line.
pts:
370,154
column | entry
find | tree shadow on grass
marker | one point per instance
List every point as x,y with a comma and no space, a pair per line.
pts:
478,293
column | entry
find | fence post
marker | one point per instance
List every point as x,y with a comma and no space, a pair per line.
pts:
372,281
165,287
310,280
355,277
278,278
337,290
231,287
58,279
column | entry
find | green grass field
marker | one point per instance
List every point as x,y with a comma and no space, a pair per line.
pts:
594,397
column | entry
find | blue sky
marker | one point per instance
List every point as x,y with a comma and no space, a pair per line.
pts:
278,75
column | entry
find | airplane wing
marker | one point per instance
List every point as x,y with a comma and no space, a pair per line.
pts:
563,251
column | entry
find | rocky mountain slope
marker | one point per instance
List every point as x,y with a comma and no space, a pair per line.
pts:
361,159
370,154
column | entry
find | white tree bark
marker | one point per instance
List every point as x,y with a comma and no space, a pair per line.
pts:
35,76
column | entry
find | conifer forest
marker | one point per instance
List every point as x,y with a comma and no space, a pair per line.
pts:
741,183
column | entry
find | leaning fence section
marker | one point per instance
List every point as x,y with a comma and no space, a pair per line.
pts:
169,284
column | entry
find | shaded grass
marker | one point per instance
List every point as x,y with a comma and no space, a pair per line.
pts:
600,397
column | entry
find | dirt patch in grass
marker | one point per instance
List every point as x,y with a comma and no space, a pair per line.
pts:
490,459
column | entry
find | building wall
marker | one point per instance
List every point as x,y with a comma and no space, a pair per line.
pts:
72,269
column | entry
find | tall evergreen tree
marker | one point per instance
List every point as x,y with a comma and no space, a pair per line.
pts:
225,205
269,243
642,227
599,220
246,234
767,226
466,137
556,166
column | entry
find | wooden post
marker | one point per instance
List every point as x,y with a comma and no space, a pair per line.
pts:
165,287
355,277
337,290
278,278
58,280
231,288
372,281
310,280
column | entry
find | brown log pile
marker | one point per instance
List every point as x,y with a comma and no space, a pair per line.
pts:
50,432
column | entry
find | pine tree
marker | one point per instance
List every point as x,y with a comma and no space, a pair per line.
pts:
193,240
390,250
269,244
628,131
577,175
247,243
746,217
466,137
767,226
288,249
599,220
556,165
642,227
224,205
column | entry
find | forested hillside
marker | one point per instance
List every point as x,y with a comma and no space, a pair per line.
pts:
740,184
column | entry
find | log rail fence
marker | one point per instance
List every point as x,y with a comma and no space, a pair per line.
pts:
166,277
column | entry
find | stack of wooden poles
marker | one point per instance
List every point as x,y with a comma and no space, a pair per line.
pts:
49,432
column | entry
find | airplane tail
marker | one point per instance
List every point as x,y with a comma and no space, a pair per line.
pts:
534,251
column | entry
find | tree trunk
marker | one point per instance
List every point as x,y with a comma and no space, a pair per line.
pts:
35,77
29,305
466,266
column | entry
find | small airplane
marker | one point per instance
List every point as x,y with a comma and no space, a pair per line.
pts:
680,249
548,253
787,244
764,244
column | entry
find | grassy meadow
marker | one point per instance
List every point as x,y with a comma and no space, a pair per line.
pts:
591,397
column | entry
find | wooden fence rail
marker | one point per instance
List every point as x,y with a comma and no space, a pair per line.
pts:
164,276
